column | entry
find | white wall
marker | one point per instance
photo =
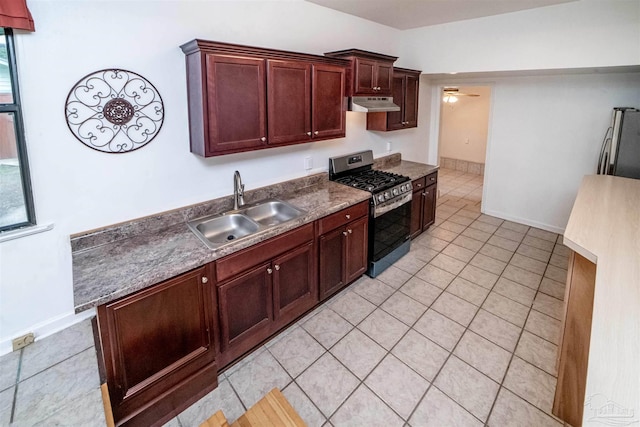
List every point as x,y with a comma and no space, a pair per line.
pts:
464,125
546,135
78,189
584,33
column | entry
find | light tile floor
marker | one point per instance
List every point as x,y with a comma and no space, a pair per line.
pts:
461,331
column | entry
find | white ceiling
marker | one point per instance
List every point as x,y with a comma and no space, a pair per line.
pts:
406,14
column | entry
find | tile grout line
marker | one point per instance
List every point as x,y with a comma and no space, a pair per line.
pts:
15,390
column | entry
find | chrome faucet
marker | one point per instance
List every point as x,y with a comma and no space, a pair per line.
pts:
238,191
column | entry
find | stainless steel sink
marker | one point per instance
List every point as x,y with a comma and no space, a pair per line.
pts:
272,212
222,229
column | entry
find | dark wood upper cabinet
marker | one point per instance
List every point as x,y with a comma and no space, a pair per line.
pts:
289,101
244,98
405,89
371,73
158,350
328,108
236,94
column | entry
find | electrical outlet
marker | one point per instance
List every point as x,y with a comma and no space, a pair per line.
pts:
308,163
22,341
467,141
388,146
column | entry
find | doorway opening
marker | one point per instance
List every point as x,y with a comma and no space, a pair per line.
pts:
462,144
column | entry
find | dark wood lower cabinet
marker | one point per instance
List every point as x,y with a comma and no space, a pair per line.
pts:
157,348
245,308
423,204
162,347
263,288
294,285
342,250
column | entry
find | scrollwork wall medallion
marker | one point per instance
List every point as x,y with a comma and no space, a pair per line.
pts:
114,111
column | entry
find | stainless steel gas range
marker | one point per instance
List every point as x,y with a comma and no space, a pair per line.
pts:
389,207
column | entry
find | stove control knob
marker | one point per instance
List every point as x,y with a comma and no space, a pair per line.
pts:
380,197
395,192
403,188
387,195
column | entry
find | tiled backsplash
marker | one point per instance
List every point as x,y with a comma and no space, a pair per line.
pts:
462,165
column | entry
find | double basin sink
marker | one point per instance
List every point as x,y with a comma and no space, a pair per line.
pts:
222,229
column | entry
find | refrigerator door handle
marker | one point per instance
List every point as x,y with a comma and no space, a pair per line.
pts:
603,161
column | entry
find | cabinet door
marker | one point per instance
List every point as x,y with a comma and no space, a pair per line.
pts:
246,311
295,287
412,84
331,263
153,341
288,102
429,206
384,78
328,107
365,77
416,213
395,119
356,249
236,104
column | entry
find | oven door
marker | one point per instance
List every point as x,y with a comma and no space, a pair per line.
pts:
389,231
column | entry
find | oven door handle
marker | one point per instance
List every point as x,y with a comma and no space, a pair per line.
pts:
381,210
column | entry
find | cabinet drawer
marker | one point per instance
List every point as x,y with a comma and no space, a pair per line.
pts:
238,262
432,178
342,217
419,183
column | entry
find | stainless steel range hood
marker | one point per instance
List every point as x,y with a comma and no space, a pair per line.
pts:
372,104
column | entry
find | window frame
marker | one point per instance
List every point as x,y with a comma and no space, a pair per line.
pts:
21,145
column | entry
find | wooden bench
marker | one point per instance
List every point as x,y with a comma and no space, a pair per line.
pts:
273,410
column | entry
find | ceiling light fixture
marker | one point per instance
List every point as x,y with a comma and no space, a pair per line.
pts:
450,99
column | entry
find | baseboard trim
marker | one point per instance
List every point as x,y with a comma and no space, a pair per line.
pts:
525,221
48,327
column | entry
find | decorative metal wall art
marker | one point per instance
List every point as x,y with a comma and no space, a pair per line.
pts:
114,111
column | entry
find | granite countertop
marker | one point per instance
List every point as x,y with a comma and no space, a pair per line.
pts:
413,170
117,260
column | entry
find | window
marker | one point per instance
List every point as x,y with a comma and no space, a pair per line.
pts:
16,201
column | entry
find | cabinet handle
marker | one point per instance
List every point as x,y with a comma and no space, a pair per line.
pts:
263,139
309,133
419,185
424,194
348,216
432,179
269,270
277,267
350,231
344,233
205,280
316,132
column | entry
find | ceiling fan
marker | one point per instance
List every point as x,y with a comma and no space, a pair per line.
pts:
451,94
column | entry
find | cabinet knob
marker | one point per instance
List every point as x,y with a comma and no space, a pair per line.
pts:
350,231
348,216
277,267
316,132
205,280
309,133
269,270
344,233
432,179
419,185
426,193
379,88
263,139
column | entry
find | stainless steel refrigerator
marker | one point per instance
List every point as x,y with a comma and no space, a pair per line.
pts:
620,153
